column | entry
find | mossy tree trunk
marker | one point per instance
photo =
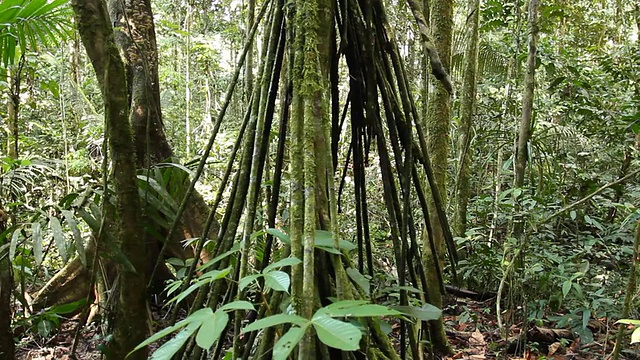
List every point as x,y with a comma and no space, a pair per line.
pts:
467,111
438,137
130,315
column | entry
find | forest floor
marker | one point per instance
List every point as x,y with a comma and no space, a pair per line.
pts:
472,331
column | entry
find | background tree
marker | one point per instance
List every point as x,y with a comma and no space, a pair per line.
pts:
130,315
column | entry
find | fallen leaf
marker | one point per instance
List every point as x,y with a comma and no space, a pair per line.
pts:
553,348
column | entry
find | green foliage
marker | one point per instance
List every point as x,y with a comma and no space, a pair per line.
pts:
46,321
26,22
635,336
208,324
323,241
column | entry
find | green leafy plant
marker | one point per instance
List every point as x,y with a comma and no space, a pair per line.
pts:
25,22
208,324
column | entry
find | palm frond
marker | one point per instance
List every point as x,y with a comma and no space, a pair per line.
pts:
26,23
17,176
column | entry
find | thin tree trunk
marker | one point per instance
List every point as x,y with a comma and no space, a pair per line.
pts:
187,81
130,318
467,110
7,347
13,109
526,125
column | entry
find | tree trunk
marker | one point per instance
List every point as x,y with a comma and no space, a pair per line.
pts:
7,347
467,110
526,126
437,124
13,108
130,317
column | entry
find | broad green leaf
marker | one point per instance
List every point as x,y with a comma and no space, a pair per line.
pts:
628,322
58,237
211,329
290,261
517,192
216,259
344,304
277,280
288,342
14,244
77,237
324,239
196,318
36,238
68,308
274,320
337,334
245,281
238,305
566,287
216,274
280,235
203,280
360,280
586,315
426,312
45,327
573,214
329,249
635,336
166,351
365,310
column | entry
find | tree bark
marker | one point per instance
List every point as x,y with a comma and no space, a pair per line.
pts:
526,126
437,125
130,316
7,347
467,109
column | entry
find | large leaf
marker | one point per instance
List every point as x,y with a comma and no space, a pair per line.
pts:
238,305
58,237
166,351
25,23
361,310
359,279
36,238
277,280
211,329
77,237
245,281
274,320
282,263
427,312
216,259
288,342
205,279
337,334
193,320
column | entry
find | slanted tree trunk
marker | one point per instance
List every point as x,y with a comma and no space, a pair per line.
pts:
467,110
130,316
